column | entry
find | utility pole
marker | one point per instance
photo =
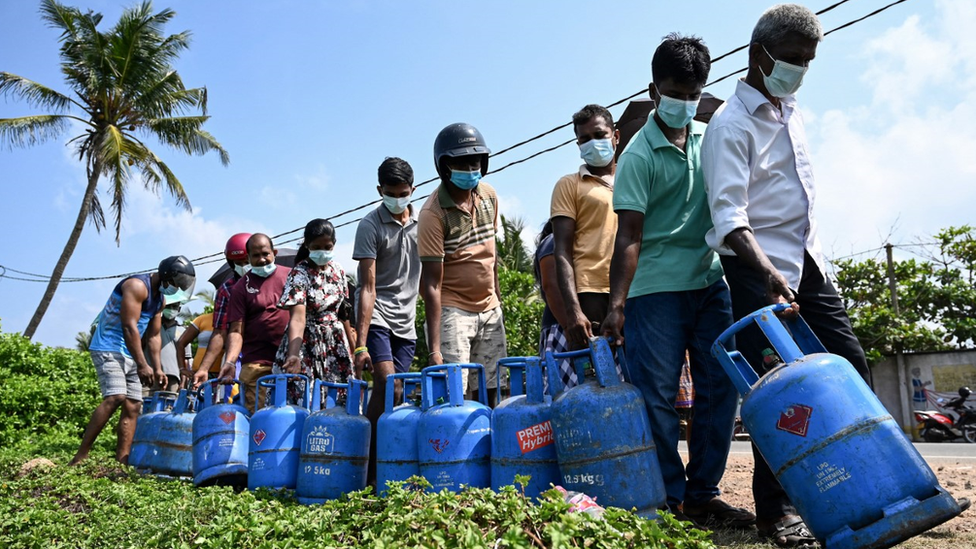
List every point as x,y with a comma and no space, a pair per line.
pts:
907,415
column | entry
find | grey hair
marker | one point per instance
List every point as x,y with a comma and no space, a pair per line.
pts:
779,21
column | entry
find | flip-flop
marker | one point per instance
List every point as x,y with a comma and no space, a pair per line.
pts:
790,532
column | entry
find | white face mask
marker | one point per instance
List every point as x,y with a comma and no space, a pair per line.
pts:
264,271
396,205
597,152
242,270
785,79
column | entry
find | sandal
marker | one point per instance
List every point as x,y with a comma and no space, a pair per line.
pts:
790,532
718,513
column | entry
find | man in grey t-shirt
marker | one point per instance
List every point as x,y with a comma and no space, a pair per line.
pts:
389,281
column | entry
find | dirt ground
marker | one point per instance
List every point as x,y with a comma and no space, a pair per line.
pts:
956,476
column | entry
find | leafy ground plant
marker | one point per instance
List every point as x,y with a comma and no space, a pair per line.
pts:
102,504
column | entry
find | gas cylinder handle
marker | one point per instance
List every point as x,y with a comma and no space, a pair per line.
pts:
207,393
182,402
789,347
455,391
556,384
391,387
277,385
164,400
534,386
516,370
601,357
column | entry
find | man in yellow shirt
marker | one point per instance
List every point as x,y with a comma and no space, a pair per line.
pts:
584,225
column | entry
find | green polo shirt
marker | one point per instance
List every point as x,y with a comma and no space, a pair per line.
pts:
660,181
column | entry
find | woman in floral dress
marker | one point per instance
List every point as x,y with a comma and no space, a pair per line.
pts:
315,343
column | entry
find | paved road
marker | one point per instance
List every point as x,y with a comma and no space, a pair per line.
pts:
929,450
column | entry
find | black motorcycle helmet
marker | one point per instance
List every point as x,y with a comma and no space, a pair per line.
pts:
964,392
459,139
177,270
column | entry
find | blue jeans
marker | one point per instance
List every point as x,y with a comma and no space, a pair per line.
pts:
658,329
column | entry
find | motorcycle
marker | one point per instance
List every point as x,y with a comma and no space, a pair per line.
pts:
938,427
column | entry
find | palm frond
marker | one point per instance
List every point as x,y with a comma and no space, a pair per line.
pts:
185,134
26,131
173,184
33,93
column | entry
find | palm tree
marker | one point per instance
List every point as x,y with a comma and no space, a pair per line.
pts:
123,89
83,340
512,253
207,297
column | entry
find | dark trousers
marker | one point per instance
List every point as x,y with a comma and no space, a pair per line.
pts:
824,312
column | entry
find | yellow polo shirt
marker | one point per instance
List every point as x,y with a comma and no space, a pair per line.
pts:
587,199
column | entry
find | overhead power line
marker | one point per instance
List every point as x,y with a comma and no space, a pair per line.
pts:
218,256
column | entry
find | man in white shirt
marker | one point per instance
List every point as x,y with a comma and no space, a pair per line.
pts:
761,193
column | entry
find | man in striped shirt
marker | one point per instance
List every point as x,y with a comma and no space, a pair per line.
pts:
459,273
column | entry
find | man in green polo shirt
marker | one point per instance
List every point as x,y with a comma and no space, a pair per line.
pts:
666,289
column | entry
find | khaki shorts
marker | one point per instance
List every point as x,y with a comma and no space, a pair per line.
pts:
117,375
473,337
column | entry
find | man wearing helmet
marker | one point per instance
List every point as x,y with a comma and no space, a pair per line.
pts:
456,242
131,315
236,253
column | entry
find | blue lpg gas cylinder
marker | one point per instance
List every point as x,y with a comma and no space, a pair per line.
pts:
335,444
396,433
147,428
221,432
603,437
172,455
521,432
846,465
454,438
276,435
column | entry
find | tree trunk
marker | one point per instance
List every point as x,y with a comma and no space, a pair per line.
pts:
69,249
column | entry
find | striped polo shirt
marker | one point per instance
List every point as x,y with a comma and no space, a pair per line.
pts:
465,243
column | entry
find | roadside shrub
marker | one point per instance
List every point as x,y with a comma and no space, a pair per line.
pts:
43,390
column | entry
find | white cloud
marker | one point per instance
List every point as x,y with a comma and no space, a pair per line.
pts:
903,160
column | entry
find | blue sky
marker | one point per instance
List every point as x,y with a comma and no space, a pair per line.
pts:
309,97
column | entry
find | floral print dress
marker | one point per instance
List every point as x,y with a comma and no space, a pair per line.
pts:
325,348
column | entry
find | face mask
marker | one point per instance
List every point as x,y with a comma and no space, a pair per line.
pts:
320,257
264,271
242,270
676,113
396,205
173,294
597,152
465,180
170,314
784,79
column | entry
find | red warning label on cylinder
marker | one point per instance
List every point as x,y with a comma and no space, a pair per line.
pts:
535,437
795,419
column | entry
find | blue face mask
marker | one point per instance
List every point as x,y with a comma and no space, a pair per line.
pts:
396,205
242,270
264,271
173,294
785,79
320,257
676,113
597,152
465,180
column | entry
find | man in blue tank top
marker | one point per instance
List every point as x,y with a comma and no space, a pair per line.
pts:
132,315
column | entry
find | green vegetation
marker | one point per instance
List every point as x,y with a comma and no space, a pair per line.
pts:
102,505
936,297
47,395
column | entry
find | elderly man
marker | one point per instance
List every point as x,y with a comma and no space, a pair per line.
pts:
761,193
